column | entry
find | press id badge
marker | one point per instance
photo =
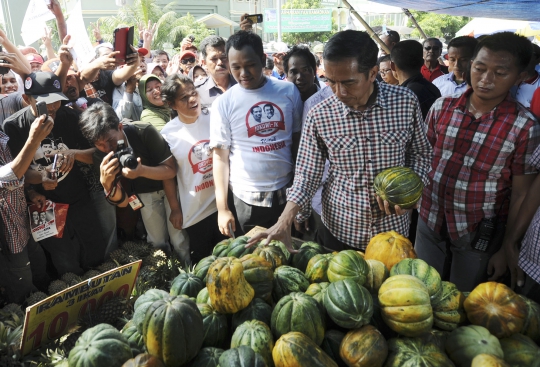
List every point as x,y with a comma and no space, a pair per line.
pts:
135,202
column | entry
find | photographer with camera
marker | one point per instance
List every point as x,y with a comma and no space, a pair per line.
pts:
136,152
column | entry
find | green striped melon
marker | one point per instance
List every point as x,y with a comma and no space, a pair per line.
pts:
399,186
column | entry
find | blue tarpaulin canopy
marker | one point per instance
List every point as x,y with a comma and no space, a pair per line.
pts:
502,9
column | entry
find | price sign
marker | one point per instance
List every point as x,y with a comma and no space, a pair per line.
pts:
56,315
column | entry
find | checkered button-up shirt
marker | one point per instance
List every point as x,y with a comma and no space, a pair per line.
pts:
474,161
358,146
12,202
529,256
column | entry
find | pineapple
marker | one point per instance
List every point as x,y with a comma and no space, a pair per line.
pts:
157,259
109,265
138,249
90,274
9,310
71,279
111,311
10,361
10,340
35,298
120,256
70,341
57,286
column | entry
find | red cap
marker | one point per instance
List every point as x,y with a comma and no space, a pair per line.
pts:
34,58
186,54
142,51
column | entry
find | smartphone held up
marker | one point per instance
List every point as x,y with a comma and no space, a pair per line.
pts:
255,18
122,41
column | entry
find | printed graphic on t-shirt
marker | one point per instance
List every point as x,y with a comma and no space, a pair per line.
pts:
264,119
200,157
44,157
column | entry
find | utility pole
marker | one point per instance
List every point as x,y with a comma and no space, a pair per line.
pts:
278,5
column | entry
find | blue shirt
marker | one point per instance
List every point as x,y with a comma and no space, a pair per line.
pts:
275,74
448,86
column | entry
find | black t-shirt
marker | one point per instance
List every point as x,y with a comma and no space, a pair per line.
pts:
426,92
9,104
147,144
64,135
104,86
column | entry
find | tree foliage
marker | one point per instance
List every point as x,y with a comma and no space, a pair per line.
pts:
438,25
171,27
306,37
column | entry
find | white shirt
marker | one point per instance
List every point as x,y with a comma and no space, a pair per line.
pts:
257,126
189,145
524,92
448,86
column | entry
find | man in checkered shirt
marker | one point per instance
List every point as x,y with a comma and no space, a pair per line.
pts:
482,140
21,258
364,128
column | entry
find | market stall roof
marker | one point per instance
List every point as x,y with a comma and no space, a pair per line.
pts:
215,20
481,26
503,9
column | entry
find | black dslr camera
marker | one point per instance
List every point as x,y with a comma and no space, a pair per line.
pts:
125,156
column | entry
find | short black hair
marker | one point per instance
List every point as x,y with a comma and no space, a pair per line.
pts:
241,39
210,41
408,56
269,63
268,105
352,44
161,52
97,120
254,107
171,86
433,39
392,35
302,51
518,46
465,43
383,58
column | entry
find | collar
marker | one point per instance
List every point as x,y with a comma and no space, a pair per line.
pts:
507,106
210,83
414,78
424,67
380,90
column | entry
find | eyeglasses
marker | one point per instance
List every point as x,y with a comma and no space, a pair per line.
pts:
191,60
385,71
429,48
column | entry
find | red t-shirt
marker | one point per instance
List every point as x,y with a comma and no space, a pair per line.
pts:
432,75
535,103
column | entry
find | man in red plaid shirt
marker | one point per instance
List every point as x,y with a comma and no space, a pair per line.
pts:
482,143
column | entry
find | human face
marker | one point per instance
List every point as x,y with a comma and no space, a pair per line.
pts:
388,42
216,62
35,66
35,217
162,61
493,73
9,83
153,92
157,72
301,74
350,86
51,107
257,113
269,111
458,61
141,70
319,55
386,73
187,63
109,141
432,51
246,67
187,103
199,74
42,216
71,89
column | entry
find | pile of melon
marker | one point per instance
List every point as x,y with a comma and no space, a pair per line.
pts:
262,306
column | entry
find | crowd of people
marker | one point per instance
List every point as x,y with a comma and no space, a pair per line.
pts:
220,138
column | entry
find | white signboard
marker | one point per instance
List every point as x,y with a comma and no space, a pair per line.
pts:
34,20
84,51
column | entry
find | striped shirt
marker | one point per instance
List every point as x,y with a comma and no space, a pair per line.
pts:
359,145
12,202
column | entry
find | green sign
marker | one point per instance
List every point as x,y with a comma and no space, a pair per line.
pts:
298,20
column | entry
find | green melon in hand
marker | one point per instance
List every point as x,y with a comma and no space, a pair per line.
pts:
399,186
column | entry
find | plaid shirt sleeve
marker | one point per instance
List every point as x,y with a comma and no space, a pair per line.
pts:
309,169
419,152
527,143
8,179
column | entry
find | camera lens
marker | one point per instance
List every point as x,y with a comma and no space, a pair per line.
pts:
129,161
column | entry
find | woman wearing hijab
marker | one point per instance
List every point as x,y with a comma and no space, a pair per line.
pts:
157,70
155,111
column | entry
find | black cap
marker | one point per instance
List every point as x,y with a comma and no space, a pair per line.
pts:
44,86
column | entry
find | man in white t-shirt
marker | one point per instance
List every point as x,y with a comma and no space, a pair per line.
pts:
253,148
